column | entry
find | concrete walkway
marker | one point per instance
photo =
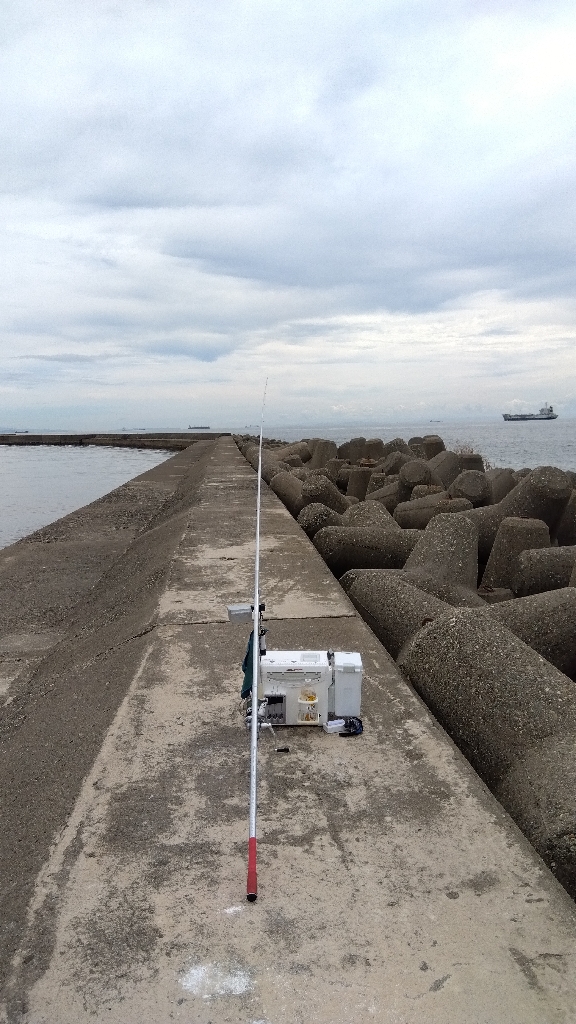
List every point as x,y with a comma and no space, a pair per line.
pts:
392,886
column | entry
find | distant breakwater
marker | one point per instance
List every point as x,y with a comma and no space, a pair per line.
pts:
467,575
165,441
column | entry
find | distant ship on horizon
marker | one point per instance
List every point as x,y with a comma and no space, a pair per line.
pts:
546,413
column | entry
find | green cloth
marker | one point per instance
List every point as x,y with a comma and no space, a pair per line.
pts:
247,668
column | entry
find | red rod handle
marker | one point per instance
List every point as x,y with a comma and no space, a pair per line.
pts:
252,886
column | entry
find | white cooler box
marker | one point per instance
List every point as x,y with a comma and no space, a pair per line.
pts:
303,687
296,685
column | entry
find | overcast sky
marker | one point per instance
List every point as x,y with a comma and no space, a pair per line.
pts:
371,203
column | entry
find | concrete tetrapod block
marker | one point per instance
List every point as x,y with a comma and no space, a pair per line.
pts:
451,505
494,595
415,473
416,513
543,569
393,608
250,453
364,547
566,533
299,448
416,444
320,489
333,467
369,513
389,496
358,481
547,623
374,448
393,462
433,445
353,449
343,477
542,495
288,488
323,452
444,562
376,482
501,481
309,473
252,456
447,466
396,610
472,460
349,578
514,717
398,444
513,536
473,485
519,474
423,491
270,467
315,516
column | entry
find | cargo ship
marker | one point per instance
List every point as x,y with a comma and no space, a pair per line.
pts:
546,413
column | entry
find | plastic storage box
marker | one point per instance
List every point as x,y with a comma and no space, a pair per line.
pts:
347,684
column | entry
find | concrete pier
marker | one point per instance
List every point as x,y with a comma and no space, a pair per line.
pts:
392,885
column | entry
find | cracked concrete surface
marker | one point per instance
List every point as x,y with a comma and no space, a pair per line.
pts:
392,886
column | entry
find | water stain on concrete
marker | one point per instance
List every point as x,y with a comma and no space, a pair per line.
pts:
526,966
481,882
140,812
439,983
114,945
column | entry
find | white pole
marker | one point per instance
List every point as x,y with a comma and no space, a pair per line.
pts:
252,882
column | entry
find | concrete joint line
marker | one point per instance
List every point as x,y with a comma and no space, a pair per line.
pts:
108,650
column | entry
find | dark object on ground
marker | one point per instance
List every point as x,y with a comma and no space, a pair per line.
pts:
352,727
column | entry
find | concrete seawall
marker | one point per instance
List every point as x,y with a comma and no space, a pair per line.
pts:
393,887
76,600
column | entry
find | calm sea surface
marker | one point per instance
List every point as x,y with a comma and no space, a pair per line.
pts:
41,484
535,443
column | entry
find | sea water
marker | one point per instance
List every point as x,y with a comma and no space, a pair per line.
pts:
42,483
529,443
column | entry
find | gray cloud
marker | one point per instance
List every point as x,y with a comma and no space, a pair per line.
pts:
189,183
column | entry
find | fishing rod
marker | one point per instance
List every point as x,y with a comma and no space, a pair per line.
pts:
252,881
